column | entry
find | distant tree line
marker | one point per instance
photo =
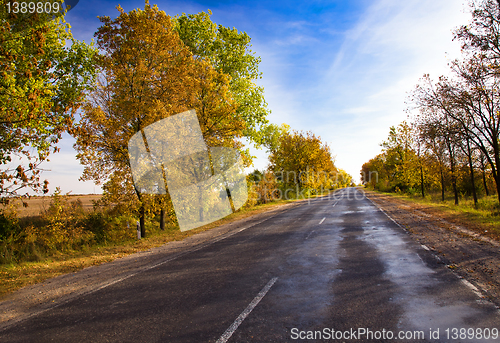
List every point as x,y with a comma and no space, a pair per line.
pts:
300,165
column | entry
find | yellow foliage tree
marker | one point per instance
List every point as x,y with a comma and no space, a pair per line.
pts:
147,74
303,160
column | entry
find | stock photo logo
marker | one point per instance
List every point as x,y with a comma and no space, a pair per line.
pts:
204,183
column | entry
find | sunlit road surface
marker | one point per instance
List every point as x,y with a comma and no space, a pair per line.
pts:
333,267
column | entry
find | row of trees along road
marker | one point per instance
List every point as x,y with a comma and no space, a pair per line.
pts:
302,160
455,136
146,66
300,164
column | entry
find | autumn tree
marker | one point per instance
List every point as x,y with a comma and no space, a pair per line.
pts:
264,186
435,136
304,161
373,173
147,74
45,74
401,157
480,36
271,136
343,179
403,164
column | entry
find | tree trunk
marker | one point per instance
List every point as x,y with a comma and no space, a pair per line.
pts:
162,219
229,197
454,184
453,176
494,169
484,183
142,221
141,214
442,184
483,172
498,187
471,167
422,180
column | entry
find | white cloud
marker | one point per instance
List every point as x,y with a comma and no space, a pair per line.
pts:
63,171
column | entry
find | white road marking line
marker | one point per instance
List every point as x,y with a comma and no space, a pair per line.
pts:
472,288
335,203
230,330
388,216
322,220
310,233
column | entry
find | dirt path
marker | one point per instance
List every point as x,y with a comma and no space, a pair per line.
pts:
470,255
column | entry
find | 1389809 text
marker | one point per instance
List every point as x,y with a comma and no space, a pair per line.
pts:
47,7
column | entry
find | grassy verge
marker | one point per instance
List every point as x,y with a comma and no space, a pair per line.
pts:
17,275
483,218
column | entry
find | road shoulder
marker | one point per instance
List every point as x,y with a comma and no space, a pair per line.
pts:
469,255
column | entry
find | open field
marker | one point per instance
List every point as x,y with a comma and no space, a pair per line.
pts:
39,204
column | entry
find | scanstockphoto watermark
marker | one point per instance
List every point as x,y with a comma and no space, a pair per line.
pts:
449,334
292,185
356,334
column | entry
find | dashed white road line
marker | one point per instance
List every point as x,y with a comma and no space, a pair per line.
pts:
231,329
310,233
322,220
388,216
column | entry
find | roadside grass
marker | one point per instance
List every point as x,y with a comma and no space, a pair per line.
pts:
14,276
484,218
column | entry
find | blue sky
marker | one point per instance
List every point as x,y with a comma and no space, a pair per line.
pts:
341,69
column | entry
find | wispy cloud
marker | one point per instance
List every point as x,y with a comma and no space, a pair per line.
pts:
356,87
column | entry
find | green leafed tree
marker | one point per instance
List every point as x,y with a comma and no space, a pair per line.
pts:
271,135
228,51
44,76
401,158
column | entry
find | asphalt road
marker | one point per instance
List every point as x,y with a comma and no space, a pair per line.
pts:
334,266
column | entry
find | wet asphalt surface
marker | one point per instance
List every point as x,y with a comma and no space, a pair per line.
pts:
336,263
